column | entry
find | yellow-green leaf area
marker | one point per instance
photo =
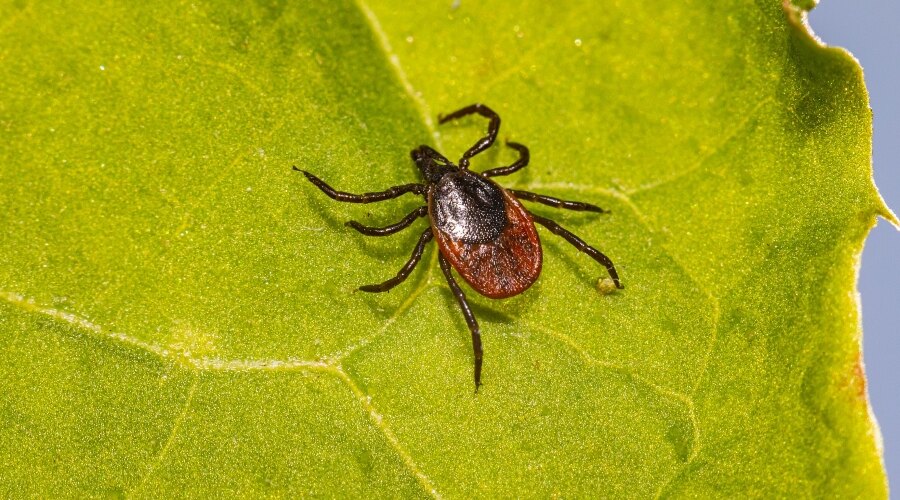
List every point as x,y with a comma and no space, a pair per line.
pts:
178,313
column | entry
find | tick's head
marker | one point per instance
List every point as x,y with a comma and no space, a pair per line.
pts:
432,164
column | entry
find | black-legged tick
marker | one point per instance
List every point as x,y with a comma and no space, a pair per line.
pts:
482,229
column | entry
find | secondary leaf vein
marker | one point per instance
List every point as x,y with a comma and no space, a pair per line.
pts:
378,421
176,426
725,139
394,60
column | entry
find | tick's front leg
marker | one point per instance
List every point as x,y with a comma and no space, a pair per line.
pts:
486,141
387,194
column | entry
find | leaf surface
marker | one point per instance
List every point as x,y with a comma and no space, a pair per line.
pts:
179,314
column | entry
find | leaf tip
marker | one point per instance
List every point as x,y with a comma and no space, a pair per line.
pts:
889,216
882,210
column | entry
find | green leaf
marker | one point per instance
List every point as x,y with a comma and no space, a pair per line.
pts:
178,315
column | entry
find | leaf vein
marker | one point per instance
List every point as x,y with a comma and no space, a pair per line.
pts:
177,356
688,399
176,426
199,365
642,219
726,138
378,421
554,35
420,287
613,367
394,60
191,204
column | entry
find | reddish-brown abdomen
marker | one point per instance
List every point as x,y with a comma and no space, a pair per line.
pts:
504,266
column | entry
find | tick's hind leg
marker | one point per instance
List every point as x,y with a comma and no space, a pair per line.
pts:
406,269
486,141
581,245
470,318
393,228
387,194
556,202
519,164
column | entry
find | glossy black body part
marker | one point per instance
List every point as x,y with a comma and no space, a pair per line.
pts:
482,229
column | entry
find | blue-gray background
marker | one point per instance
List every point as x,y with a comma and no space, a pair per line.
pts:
870,29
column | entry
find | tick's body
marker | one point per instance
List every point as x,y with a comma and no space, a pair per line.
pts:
482,230
485,234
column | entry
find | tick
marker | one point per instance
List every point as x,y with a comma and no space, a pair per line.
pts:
482,229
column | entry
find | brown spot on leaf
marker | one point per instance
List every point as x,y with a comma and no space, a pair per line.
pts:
858,377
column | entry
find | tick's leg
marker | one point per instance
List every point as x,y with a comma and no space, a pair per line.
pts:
556,202
581,245
393,228
424,151
387,194
406,269
483,143
521,163
470,318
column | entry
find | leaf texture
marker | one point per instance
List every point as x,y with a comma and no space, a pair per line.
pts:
178,314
